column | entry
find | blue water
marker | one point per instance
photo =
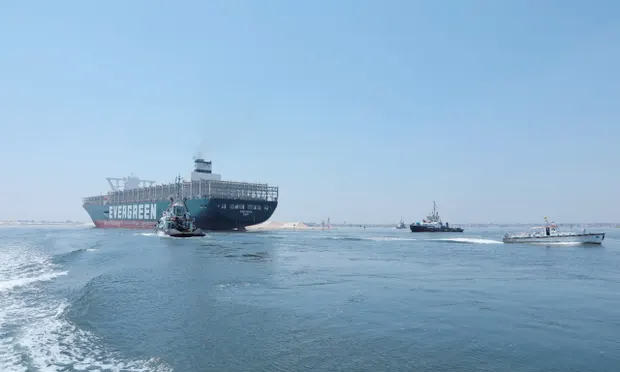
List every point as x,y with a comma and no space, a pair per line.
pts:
340,300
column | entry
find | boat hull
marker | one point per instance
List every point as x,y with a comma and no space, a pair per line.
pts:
183,234
590,238
186,235
422,228
209,214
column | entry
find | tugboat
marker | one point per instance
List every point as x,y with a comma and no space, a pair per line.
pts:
432,223
176,220
550,233
401,225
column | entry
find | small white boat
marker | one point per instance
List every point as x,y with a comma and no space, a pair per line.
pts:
550,234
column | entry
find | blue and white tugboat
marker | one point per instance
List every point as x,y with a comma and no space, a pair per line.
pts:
433,223
176,221
551,234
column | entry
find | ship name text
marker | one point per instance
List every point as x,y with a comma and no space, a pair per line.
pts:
133,212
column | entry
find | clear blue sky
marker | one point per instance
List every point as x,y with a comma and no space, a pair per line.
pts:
362,111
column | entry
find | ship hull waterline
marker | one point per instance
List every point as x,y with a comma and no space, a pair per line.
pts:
420,228
208,214
592,238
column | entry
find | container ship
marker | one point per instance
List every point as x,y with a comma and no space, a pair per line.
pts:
213,203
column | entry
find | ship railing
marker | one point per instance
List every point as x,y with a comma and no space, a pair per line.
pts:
190,190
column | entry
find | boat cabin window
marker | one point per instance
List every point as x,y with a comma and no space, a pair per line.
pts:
179,211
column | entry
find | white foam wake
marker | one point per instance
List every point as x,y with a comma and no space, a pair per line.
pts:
469,240
22,267
147,234
161,234
6,285
390,238
53,343
35,333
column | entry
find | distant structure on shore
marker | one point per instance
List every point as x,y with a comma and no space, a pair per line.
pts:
328,226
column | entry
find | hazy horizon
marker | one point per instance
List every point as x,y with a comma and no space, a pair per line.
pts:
363,112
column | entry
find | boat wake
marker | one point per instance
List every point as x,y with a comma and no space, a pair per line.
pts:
468,240
347,238
7,285
147,234
161,234
68,256
51,342
390,239
23,268
35,333
373,238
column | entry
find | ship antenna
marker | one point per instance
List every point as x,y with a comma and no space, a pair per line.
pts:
178,182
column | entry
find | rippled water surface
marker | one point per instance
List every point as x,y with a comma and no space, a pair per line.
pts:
340,300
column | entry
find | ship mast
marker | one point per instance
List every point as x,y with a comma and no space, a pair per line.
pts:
179,185
435,215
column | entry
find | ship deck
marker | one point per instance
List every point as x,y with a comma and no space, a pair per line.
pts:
207,189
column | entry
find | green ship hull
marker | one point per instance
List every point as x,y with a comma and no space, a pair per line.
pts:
209,214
